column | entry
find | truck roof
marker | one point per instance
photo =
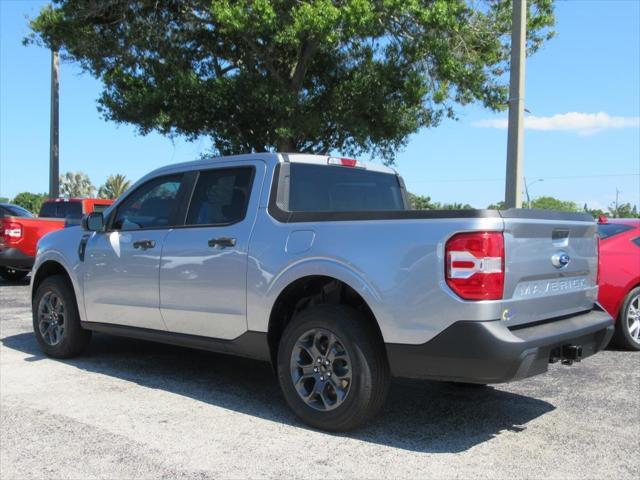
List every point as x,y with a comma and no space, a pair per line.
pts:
275,158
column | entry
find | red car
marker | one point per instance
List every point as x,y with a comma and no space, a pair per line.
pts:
619,273
19,234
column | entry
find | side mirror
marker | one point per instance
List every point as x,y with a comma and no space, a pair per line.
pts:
93,222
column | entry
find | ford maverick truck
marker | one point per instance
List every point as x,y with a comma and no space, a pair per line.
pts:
317,265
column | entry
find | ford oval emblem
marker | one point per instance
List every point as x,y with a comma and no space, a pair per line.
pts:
560,259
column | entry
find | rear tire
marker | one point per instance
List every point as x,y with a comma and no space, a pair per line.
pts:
349,384
627,333
56,322
12,275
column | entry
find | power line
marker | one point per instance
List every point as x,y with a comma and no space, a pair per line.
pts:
564,177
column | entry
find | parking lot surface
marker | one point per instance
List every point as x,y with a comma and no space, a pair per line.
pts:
133,409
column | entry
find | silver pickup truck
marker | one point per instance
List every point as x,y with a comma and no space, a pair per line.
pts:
318,265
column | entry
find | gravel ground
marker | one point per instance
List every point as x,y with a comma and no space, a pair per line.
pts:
133,409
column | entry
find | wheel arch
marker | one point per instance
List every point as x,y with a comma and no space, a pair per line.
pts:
306,291
49,268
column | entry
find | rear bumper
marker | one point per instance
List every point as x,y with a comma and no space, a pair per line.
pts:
489,352
14,258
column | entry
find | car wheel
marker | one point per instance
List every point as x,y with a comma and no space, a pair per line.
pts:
332,367
56,322
627,334
12,275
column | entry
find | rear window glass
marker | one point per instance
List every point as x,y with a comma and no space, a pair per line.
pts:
16,211
100,207
606,230
61,210
319,188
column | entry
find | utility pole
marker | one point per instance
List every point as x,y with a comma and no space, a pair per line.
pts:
54,152
515,135
617,195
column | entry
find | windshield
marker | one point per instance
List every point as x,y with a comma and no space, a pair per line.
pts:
607,230
319,188
61,210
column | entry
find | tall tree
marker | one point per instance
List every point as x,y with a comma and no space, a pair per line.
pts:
501,205
623,210
421,202
115,186
76,184
552,203
313,76
30,201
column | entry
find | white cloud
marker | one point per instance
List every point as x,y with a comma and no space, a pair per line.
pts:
581,123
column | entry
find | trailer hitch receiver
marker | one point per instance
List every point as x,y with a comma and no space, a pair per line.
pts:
571,353
567,354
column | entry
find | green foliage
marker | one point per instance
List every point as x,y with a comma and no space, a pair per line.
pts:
421,202
453,206
76,184
115,186
4,200
358,76
497,206
552,203
30,201
594,212
623,210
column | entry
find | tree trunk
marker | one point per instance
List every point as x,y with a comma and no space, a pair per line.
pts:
286,145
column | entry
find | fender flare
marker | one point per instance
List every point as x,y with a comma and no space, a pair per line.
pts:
57,257
326,267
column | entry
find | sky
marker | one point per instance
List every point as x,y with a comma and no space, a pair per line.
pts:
582,138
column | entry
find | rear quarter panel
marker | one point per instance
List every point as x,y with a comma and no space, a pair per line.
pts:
397,266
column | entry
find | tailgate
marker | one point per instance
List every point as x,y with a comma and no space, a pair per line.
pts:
551,264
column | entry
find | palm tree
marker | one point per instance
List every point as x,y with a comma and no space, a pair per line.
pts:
76,184
115,186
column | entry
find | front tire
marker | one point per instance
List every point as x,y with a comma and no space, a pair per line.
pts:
12,275
332,367
627,333
56,322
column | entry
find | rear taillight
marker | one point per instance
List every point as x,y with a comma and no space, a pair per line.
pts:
598,262
11,232
475,265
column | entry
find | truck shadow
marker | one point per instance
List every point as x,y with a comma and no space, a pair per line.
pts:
24,282
419,416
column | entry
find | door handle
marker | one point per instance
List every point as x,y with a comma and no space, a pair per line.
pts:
144,244
222,242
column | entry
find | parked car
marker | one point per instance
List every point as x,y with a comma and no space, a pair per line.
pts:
316,264
19,234
619,277
11,210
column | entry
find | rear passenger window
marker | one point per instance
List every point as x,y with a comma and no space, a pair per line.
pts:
150,206
220,197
